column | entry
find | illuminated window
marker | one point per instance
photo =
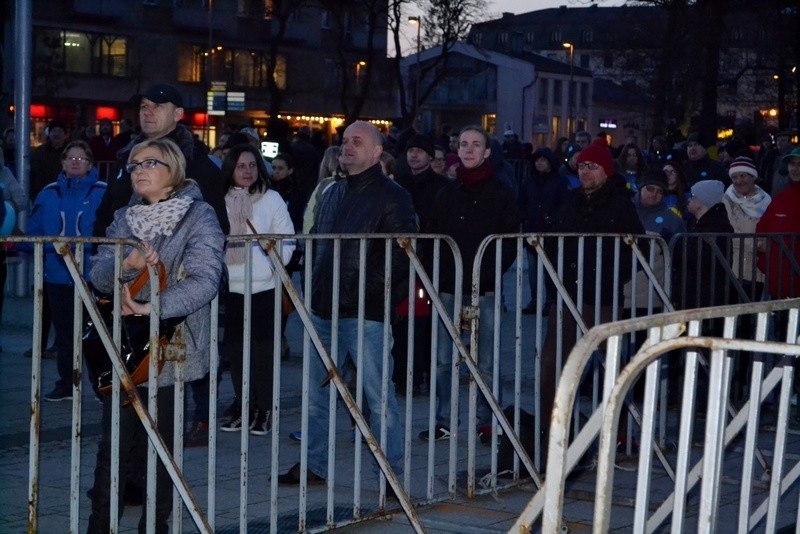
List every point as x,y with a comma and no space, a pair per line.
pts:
80,52
191,61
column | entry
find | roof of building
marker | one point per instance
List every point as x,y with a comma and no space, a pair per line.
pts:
610,92
546,64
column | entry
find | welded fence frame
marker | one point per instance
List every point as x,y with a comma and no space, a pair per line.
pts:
83,298
563,455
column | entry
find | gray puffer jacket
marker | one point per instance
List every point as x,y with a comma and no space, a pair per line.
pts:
197,244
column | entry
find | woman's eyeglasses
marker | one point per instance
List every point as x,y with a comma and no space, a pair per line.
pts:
147,164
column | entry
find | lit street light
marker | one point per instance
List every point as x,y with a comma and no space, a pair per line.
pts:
418,22
360,64
571,119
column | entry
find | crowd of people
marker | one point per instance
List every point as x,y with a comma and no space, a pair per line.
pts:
161,186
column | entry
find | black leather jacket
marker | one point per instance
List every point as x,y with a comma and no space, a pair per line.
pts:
366,203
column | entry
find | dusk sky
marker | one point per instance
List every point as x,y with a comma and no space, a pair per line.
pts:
523,6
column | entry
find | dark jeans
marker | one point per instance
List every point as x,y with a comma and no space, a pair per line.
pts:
261,341
200,392
132,448
60,296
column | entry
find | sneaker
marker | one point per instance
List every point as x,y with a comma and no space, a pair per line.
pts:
296,436
59,395
260,424
292,477
235,424
197,436
439,432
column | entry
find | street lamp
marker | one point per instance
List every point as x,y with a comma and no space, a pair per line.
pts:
360,64
418,22
571,120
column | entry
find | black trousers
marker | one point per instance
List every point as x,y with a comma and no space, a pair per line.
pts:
262,334
132,448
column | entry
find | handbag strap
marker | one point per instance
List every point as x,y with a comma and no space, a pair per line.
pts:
144,276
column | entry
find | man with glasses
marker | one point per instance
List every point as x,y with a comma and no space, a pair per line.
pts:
598,206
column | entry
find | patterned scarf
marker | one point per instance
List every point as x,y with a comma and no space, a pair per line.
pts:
150,220
754,205
239,202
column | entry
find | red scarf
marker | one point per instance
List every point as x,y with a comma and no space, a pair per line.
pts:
470,177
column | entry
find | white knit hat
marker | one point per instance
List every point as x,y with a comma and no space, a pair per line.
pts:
743,164
709,192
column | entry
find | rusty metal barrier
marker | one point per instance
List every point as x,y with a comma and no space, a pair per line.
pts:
666,332
648,291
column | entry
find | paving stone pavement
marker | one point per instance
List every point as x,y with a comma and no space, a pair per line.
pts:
484,513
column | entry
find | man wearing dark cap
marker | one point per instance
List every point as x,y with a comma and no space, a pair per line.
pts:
698,165
160,110
423,183
46,159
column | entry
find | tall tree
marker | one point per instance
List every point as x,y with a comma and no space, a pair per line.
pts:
279,12
358,61
443,23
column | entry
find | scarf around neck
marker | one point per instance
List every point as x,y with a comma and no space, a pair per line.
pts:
147,221
239,202
754,205
481,173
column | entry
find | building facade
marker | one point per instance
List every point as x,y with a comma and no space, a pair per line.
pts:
91,57
625,45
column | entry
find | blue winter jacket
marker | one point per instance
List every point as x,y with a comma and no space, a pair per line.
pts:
65,207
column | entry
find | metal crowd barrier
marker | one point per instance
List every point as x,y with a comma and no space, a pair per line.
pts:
722,434
462,466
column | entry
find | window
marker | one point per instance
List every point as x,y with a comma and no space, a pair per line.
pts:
555,36
529,37
544,91
333,76
583,60
557,92
608,61
584,95
502,38
477,37
81,52
191,63
325,23
587,36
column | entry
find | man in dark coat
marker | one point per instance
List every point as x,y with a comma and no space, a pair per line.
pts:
365,201
468,210
698,165
423,184
598,206
160,110
541,195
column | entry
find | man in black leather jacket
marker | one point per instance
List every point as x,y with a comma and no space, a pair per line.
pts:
368,202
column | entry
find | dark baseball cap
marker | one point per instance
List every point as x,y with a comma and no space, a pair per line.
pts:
162,93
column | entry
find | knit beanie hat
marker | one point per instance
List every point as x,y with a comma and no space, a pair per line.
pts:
422,142
653,177
599,153
743,164
709,192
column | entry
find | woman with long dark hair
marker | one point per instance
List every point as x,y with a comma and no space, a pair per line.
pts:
253,208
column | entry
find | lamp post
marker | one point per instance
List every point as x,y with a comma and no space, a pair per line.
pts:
418,22
360,64
570,120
